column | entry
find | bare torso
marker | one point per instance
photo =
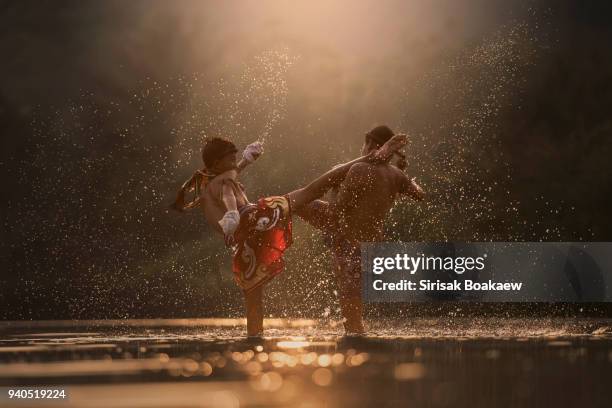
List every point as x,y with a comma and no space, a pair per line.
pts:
369,204
212,204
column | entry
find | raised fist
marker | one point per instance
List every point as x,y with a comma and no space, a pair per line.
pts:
253,151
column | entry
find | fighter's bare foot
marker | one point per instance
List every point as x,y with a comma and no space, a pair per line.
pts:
391,146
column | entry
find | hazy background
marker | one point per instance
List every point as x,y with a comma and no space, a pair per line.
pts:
104,106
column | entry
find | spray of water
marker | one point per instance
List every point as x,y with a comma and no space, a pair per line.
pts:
104,171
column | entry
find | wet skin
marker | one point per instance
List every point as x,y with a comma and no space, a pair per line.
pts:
223,193
357,212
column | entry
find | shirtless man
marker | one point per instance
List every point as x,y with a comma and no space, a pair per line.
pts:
259,233
356,214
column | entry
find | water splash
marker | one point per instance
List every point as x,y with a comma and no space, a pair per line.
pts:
455,146
103,173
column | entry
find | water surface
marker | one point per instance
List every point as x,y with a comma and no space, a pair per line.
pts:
209,363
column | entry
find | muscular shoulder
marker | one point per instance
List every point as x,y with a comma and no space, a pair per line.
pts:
359,174
402,181
362,169
393,175
377,173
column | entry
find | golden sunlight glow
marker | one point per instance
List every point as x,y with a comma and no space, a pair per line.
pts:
292,344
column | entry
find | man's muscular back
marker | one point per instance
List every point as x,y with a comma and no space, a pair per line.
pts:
365,197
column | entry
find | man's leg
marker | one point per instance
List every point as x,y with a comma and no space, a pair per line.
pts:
316,213
352,311
333,177
254,312
348,278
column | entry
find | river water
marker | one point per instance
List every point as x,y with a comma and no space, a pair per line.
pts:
426,362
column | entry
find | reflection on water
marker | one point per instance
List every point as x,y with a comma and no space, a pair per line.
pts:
208,362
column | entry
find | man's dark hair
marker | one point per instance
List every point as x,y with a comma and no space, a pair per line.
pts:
215,149
380,135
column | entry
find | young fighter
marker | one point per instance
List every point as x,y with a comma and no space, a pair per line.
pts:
356,214
259,233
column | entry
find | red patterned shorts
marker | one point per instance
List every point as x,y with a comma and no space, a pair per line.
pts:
262,237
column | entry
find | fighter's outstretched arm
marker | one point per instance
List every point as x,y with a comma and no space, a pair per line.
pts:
241,165
410,188
251,153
